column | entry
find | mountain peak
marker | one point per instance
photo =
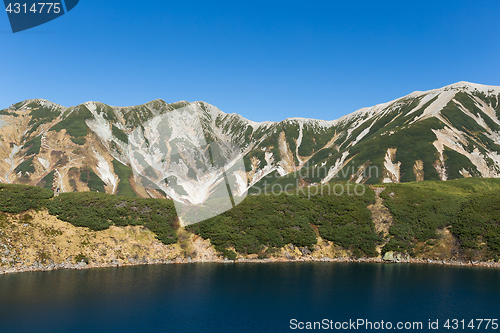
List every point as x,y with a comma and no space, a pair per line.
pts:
460,86
30,103
464,85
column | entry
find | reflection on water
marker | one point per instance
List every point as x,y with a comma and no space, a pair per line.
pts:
241,297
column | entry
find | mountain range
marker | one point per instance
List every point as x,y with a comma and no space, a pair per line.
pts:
442,134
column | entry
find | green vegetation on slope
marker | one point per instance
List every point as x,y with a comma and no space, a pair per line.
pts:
98,211
263,223
78,141
74,122
93,181
107,112
120,134
137,115
124,173
5,112
25,168
255,224
477,226
344,219
33,146
455,162
470,105
47,181
417,141
18,198
40,115
459,119
420,208
314,138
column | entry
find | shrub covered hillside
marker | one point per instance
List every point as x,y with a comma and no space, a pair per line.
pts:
477,225
259,225
98,211
264,223
18,198
469,208
462,214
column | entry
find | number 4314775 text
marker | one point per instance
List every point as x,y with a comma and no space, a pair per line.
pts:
36,8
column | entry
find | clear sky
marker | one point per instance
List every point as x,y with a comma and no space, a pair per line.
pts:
266,60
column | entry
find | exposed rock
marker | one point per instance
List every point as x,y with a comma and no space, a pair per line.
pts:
418,170
389,256
305,251
381,217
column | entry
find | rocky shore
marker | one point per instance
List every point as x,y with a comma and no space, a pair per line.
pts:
36,267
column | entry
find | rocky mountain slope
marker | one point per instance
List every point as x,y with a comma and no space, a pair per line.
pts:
447,133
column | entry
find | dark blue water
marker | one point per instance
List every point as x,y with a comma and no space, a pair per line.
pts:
244,297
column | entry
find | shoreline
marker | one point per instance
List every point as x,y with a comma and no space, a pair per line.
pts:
82,266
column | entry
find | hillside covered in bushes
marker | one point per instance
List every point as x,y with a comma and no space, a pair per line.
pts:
457,219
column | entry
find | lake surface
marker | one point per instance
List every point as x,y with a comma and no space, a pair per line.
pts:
249,297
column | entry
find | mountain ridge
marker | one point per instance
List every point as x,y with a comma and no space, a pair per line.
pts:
439,134
416,93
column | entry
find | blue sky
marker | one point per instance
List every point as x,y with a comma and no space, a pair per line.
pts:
266,60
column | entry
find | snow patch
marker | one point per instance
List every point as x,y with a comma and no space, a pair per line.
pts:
58,180
100,126
392,169
299,142
44,163
11,160
487,109
447,137
362,134
105,172
495,136
477,118
334,170
434,110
